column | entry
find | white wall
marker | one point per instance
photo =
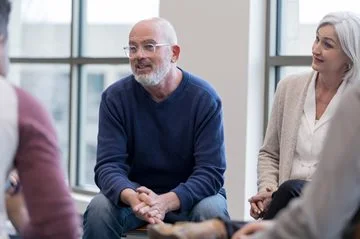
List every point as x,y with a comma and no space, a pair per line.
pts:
223,41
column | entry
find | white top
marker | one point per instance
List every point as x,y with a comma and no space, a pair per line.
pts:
312,133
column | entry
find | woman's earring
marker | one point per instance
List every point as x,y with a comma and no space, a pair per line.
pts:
349,66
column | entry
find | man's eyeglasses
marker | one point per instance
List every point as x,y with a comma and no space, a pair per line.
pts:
130,51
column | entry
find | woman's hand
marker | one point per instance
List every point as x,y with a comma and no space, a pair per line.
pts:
260,203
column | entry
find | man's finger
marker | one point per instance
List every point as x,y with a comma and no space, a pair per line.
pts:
140,205
143,189
144,210
146,199
153,212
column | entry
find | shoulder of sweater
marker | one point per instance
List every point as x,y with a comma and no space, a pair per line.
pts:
292,87
296,80
200,85
125,83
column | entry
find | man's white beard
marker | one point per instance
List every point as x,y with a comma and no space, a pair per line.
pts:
154,78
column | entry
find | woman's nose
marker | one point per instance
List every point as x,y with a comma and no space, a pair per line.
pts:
316,49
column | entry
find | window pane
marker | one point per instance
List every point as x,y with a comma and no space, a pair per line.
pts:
108,23
40,28
290,70
95,79
299,20
50,84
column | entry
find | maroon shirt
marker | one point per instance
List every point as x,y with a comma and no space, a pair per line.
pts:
51,208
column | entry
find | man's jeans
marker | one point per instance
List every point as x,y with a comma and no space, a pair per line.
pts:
103,219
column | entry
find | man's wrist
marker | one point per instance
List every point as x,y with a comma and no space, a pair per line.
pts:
127,196
172,201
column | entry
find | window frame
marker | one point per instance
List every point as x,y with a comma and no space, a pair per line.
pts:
273,60
76,62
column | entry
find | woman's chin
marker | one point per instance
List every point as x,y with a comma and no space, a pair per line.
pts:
315,67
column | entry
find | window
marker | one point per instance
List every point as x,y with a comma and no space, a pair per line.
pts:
96,79
40,28
107,24
299,19
66,52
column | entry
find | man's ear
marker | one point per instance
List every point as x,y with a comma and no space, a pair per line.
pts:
175,53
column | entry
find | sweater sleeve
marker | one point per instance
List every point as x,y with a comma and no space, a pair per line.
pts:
111,170
269,154
51,209
332,198
207,176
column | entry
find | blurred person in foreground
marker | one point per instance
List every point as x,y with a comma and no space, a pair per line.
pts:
28,143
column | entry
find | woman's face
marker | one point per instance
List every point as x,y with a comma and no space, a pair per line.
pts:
328,56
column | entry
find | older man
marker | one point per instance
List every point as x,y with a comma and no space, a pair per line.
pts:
160,143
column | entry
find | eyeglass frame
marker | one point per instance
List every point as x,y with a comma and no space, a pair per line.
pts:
127,49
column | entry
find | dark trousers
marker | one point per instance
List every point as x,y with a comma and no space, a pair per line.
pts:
352,230
280,199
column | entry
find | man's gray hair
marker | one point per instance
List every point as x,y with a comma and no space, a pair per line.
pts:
347,27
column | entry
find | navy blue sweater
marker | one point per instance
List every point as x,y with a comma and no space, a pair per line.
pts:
176,145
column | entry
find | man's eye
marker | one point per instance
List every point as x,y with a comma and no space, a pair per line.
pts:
149,47
132,49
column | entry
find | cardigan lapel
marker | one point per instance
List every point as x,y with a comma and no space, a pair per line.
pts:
310,105
293,131
331,108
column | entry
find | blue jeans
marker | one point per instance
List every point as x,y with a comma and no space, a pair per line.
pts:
103,219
